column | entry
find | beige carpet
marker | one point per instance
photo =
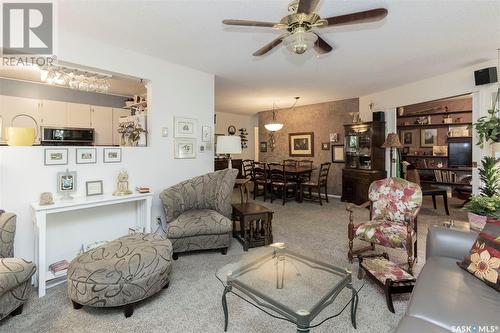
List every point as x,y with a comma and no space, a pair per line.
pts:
192,303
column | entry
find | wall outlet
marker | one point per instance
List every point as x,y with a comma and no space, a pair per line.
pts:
164,132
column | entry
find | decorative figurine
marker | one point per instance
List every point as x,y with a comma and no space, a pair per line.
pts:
122,184
46,199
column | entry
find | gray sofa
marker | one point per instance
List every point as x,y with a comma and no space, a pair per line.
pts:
446,296
15,273
198,212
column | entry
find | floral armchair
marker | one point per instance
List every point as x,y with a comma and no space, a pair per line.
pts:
394,206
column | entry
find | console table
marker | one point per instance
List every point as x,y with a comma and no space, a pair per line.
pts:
39,213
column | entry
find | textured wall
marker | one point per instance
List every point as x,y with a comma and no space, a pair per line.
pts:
322,119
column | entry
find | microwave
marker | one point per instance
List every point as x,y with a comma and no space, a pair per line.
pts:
66,136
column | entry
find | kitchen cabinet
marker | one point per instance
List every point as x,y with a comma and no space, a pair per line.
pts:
79,115
54,113
11,106
117,114
102,122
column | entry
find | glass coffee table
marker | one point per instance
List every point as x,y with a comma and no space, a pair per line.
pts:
289,286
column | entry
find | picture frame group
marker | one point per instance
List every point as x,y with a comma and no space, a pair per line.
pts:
83,155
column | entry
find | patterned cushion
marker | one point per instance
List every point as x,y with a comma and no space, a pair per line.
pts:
196,222
385,233
384,269
484,258
395,199
120,272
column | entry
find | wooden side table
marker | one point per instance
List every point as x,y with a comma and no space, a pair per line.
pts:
255,224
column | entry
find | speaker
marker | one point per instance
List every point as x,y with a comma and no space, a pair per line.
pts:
485,76
379,116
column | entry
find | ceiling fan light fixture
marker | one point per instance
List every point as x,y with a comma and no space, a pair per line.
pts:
300,41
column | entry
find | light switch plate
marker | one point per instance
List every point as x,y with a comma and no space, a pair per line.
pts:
164,132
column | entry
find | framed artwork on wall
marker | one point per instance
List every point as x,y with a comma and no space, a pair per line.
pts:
263,147
338,153
409,137
206,134
56,156
428,137
185,127
325,146
185,148
112,155
86,156
301,144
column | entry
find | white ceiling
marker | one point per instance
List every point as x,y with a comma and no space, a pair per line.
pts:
418,39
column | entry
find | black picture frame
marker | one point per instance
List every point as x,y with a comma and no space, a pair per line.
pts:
263,147
337,153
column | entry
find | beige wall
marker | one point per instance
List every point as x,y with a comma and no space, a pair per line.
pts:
322,119
224,120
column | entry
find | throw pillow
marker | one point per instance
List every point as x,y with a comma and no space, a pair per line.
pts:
484,257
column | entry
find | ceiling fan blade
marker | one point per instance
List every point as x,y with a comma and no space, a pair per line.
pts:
321,46
248,23
268,47
359,17
307,6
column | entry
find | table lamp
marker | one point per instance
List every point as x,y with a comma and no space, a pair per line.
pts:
229,144
392,142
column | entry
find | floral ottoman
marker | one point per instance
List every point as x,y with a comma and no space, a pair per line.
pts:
392,278
121,272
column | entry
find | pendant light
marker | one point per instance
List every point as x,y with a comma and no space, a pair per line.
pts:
273,125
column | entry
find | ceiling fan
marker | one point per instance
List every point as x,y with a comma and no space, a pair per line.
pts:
299,23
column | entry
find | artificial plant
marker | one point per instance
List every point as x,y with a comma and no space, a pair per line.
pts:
489,174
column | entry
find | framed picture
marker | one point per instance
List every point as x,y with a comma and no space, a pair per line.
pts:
334,137
440,150
325,146
301,144
406,150
112,155
206,133
86,156
66,183
56,156
337,153
408,137
93,187
263,147
185,148
428,137
185,127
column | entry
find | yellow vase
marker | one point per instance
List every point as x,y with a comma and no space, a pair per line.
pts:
20,136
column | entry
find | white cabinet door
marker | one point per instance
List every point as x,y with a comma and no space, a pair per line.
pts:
117,114
54,113
79,115
102,122
11,106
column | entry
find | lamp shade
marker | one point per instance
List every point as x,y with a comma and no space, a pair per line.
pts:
229,144
392,141
273,127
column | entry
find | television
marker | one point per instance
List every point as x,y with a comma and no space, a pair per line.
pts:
459,153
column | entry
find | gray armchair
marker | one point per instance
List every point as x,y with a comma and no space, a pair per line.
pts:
15,273
198,212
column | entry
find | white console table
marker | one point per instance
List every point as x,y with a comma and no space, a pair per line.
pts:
143,219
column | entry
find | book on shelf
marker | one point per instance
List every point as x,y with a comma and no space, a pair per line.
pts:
142,189
59,268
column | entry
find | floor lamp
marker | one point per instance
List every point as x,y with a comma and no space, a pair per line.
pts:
229,144
392,142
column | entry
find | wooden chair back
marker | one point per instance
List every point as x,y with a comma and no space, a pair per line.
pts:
277,172
324,169
259,172
305,164
290,163
412,175
247,166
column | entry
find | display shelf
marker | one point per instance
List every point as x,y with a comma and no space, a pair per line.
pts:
423,156
432,125
433,114
448,169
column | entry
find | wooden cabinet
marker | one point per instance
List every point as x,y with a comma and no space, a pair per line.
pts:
221,164
355,184
54,113
117,114
11,106
79,115
102,122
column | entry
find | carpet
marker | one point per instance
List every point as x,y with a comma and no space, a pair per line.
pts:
192,303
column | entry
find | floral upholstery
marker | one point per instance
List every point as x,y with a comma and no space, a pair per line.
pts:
15,273
198,211
383,269
385,233
395,199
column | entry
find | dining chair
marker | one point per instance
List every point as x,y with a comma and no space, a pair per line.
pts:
305,164
321,183
280,182
259,178
290,163
246,166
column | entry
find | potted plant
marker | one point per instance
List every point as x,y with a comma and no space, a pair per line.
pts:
488,127
130,133
481,209
489,173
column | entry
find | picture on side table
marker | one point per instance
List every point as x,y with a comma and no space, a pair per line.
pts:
56,156
93,187
112,155
301,144
86,156
66,183
185,127
428,137
185,148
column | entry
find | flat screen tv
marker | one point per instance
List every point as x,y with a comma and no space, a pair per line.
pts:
460,154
